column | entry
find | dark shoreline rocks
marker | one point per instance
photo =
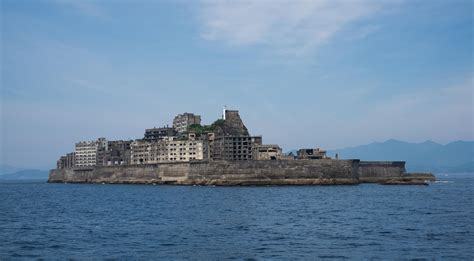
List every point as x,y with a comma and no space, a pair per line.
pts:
405,182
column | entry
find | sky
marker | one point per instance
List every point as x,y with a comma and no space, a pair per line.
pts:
322,73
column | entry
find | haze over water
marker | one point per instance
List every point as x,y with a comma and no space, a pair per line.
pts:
41,220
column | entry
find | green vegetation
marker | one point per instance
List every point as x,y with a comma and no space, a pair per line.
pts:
198,128
219,122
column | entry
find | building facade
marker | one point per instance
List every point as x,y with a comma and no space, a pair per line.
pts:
67,162
149,152
311,154
267,152
87,152
115,153
182,121
234,147
159,133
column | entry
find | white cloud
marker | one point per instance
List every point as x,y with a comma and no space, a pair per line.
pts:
288,27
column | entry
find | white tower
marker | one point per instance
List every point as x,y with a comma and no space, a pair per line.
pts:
223,112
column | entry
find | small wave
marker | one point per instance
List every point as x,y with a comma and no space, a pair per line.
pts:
444,181
55,246
334,256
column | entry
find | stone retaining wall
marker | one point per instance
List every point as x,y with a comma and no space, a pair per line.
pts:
252,172
283,172
379,171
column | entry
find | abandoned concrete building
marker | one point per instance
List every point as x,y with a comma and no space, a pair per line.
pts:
66,162
182,121
226,139
101,152
234,147
232,140
159,133
86,152
266,152
146,152
311,154
116,153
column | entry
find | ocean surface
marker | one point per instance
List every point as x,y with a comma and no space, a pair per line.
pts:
369,221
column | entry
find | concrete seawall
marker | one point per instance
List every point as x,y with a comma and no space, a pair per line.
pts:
380,171
284,172
226,173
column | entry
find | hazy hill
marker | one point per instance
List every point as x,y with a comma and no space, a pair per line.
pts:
456,156
26,174
7,169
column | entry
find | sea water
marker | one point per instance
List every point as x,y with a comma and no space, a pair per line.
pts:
368,221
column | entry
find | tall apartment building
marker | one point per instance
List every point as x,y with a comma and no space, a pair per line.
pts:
86,152
149,152
234,147
159,133
115,153
182,121
67,162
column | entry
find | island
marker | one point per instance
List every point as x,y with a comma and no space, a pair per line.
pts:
220,154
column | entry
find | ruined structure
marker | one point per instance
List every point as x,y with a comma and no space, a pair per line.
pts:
145,152
234,147
311,154
223,153
182,121
67,162
231,140
267,152
154,134
86,152
115,153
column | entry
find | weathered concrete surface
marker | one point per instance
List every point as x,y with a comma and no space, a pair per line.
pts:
380,171
243,173
289,172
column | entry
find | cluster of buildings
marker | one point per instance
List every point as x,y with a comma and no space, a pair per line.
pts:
187,140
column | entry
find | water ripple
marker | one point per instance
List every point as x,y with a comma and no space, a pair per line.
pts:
57,221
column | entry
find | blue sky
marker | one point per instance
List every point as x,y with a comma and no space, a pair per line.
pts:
323,73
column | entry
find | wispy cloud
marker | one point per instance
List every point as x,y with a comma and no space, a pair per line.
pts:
288,27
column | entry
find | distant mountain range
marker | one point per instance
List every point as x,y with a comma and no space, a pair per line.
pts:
7,169
15,173
454,157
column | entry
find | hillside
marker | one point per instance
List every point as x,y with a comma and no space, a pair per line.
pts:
456,156
25,174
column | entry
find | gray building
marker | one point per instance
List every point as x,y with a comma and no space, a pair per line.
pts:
159,133
115,153
234,147
67,162
87,152
311,154
267,152
151,152
182,121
